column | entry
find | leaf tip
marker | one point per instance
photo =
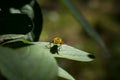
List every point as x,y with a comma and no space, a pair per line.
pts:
91,56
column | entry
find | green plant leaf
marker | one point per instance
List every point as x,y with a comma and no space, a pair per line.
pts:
63,74
72,53
27,63
34,61
69,52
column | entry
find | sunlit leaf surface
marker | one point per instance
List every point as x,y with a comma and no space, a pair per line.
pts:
69,52
63,74
27,63
35,61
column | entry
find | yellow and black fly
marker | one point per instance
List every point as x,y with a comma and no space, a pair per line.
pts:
55,45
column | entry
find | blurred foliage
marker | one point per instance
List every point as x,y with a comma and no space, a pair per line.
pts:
104,17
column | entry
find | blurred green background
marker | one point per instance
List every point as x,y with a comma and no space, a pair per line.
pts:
104,17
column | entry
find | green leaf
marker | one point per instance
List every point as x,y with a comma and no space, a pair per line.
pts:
72,53
16,43
11,36
24,60
63,74
69,52
27,63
